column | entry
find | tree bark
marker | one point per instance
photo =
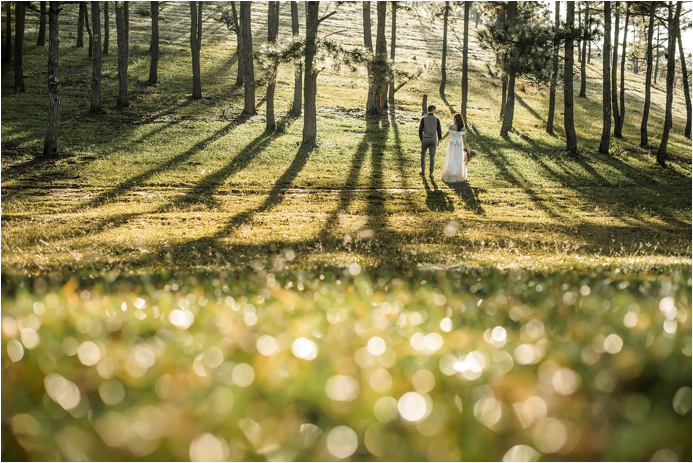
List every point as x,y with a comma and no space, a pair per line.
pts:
583,64
95,106
443,60
80,25
154,45
50,143
504,95
648,78
196,46
465,61
310,86
554,71
239,45
378,78
121,26
614,71
89,32
41,38
367,37
656,69
19,15
106,28
606,83
686,88
298,72
671,70
7,50
393,37
569,121
509,112
618,131
247,55
272,32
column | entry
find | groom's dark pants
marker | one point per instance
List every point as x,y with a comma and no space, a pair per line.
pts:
430,143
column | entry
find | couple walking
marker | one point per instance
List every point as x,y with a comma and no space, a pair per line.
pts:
457,156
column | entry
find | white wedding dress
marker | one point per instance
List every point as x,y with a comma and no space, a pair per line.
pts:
455,167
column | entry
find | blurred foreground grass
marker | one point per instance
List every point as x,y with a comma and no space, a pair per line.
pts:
475,365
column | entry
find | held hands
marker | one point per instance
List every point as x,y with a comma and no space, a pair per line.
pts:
438,143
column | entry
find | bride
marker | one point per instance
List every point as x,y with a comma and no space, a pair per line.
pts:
455,165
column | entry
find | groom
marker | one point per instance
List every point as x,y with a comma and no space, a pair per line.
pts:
428,129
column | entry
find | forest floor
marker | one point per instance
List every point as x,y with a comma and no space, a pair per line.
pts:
181,203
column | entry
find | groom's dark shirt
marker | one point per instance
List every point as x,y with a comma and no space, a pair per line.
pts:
423,124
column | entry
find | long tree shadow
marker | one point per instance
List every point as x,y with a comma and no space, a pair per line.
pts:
469,195
531,110
401,161
450,107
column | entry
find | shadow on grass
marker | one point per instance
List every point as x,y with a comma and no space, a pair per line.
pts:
470,196
436,199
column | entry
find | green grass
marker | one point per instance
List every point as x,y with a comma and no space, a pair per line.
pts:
174,199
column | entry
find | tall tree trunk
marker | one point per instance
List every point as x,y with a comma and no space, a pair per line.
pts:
7,50
378,80
41,38
671,70
89,32
239,46
272,31
154,45
106,28
510,98
367,37
465,60
686,88
583,64
589,52
80,25
614,70
554,71
121,27
648,78
443,60
298,72
606,83
196,46
618,131
581,40
656,69
393,37
95,106
504,95
19,15
248,68
310,86
568,116
50,143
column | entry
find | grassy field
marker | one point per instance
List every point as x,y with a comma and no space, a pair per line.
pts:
181,259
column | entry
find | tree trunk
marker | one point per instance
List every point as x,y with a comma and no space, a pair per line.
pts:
686,88
50,143
510,98
614,71
121,27
554,72
19,15
656,70
89,32
648,78
378,78
80,25
583,64
7,50
606,83
41,39
618,131
310,86
239,46
272,32
443,70
671,70
106,28
393,36
465,61
589,52
367,37
154,45
424,105
581,40
196,46
298,72
504,95
95,106
569,121
247,55
477,16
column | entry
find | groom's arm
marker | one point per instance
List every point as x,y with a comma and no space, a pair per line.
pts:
421,129
440,132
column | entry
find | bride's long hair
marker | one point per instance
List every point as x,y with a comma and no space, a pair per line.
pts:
459,121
